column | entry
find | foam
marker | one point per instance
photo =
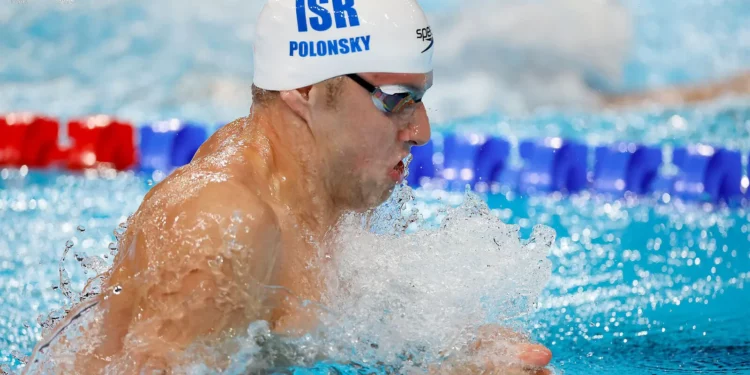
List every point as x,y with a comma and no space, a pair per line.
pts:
415,288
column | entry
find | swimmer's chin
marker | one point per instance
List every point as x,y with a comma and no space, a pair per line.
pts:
387,195
373,201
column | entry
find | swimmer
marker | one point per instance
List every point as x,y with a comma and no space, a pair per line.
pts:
336,108
736,86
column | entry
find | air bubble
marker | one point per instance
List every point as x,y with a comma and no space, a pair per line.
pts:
19,356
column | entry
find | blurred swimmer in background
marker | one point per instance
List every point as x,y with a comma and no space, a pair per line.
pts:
736,86
517,57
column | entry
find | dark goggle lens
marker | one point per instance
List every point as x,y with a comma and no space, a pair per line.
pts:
396,102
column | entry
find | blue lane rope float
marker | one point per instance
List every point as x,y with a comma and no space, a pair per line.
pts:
167,145
422,166
186,144
707,174
155,146
626,167
492,162
553,164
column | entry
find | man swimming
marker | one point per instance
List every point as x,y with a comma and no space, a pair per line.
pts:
735,86
336,108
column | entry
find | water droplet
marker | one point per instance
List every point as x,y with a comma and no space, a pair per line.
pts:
19,356
117,290
81,228
69,244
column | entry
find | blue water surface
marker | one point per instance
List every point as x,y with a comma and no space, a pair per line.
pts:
638,287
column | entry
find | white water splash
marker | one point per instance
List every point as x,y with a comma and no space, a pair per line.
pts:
426,291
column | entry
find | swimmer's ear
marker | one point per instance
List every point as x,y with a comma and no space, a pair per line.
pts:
298,101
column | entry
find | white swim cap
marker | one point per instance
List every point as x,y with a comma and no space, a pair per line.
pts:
302,42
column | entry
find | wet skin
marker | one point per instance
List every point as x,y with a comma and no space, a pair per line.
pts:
253,209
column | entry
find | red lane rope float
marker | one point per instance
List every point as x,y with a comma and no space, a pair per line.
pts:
101,139
32,140
28,139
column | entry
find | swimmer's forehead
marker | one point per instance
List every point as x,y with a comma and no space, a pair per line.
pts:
420,82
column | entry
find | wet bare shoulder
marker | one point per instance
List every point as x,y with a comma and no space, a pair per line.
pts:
196,269
205,214
221,135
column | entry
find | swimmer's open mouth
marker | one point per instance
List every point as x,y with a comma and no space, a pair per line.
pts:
397,173
400,167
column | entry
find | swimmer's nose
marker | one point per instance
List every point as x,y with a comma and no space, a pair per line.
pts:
418,132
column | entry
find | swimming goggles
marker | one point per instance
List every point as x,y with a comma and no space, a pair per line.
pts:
389,103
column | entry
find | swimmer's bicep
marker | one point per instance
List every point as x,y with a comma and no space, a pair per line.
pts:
226,227
213,261
203,292
201,305
238,242
207,305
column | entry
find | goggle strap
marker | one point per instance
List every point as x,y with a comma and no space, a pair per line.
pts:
374,92
366,85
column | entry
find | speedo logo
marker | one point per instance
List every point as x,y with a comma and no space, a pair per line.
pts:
426,35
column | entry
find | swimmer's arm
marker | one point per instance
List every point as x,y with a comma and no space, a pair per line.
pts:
199,279
497,350
738,85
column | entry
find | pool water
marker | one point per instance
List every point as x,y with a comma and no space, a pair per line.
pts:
643,288
638,286
188,60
